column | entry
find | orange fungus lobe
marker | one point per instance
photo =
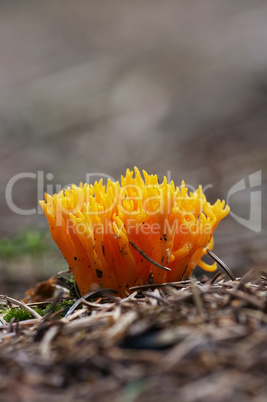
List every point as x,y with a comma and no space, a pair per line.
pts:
93,225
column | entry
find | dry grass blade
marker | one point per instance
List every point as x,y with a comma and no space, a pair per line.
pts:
197,298
45,346
143,254
180,284
222,264
21,304
156,297
52,306
216,276
94,293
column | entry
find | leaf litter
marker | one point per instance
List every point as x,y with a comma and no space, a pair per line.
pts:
194,340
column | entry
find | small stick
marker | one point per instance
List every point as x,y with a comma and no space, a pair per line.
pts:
222,264
148,258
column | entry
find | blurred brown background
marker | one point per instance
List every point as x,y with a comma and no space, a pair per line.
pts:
99,86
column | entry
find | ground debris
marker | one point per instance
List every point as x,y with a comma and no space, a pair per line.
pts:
189,341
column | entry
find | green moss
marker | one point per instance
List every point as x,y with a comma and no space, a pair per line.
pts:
40,311
18,313
21,314
65,305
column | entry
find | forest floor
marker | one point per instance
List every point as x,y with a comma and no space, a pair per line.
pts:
192,341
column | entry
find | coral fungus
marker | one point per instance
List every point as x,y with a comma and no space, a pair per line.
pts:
95,226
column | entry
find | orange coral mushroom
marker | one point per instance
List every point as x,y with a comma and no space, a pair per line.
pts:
93,225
